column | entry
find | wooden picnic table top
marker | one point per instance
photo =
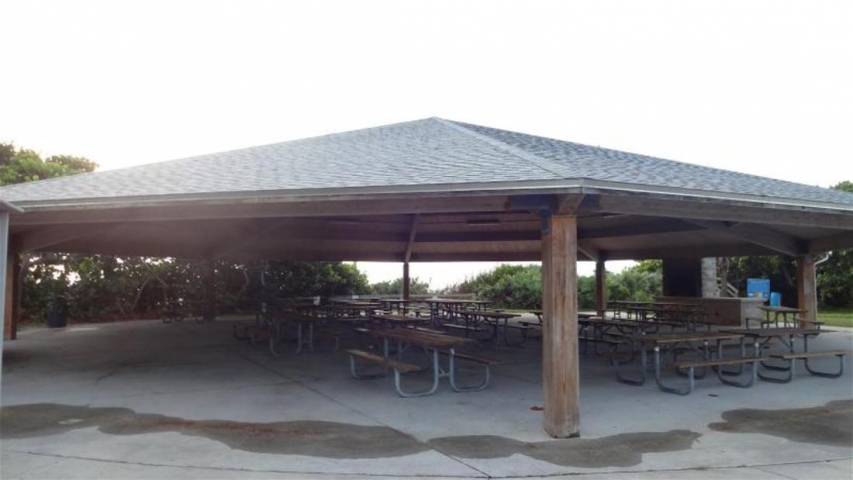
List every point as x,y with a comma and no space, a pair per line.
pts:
424,339
455,301
774,332
401,318
398,300
489,314
664,338
767,308
617,323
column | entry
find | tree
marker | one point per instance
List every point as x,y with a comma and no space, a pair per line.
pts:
19,165
395,287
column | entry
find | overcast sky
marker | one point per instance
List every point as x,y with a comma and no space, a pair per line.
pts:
761,87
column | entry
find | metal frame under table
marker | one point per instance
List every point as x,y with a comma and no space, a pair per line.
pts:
670,341
433,344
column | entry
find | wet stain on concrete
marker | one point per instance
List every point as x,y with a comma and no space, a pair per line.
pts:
314,438
830,424
337,440
623,450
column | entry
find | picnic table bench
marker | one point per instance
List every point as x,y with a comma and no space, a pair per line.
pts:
791,359
690,340
435,344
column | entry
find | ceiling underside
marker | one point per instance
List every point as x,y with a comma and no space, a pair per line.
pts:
494,230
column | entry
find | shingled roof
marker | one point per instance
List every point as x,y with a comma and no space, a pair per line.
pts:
423,155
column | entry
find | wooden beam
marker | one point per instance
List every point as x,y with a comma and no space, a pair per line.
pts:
689,251
560,373
710,209
755,234
831,242
649,227
413,231
49,237
807,288
322,208
589,251
568,204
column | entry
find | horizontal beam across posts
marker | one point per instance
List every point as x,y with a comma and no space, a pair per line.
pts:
831,242
708,209
756,234
321,208
649,227
689,252
46,237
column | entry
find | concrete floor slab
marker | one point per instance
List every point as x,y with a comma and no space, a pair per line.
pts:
187,400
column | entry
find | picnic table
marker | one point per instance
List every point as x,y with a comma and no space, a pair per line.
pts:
786,337
784,312
435,344
450,306
594,329
392,320
698,342
399,305
473,319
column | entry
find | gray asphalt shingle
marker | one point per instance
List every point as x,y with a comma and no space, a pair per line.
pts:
419,153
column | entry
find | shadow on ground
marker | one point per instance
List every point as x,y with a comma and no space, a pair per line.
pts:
830,424
336,440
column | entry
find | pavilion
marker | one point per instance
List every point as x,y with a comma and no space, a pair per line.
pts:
432,190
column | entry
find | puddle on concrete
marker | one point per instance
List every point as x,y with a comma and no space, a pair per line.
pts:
314,438
830,424
337,440
623,450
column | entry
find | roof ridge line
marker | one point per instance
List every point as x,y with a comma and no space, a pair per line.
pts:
540,162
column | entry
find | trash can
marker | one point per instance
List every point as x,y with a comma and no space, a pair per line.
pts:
775,299
57,313
758,288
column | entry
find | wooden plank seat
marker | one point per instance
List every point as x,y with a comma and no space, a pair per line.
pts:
486,363
585,340
453,326
791,360
717,362
398,366
424,329
521,328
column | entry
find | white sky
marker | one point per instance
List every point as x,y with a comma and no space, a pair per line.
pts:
761,87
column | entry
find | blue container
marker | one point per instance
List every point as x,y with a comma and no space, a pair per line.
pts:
758,288
775,299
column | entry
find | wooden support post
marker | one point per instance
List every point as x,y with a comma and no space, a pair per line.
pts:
406,283
13,286
209,284
807,288
561,399
4,244
600,288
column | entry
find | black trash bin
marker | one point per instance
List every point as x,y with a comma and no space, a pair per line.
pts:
57,313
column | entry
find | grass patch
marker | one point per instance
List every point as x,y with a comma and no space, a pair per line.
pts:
836,318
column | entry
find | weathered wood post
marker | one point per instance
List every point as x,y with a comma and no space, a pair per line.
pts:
12,294
406,283
208,280
807,288
560,374
4,244
600,288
